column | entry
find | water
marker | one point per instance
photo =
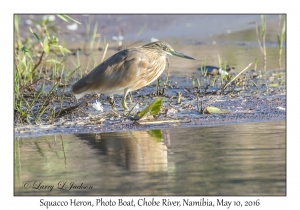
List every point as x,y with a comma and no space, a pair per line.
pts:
232,38
237,159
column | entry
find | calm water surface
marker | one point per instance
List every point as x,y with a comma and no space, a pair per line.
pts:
241,159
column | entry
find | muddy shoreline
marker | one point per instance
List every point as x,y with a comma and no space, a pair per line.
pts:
260,105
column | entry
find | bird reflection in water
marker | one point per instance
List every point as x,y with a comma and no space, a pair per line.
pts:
135,150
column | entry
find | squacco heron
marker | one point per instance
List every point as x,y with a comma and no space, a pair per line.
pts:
127,70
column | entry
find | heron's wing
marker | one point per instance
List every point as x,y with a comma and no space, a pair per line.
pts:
116,73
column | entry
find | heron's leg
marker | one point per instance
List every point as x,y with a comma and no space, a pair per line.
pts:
111,101
124,104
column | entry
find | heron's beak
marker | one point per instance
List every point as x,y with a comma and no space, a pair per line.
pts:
179,54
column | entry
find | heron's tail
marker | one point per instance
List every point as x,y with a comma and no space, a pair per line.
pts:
81,88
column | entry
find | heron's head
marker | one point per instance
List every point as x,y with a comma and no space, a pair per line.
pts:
166,48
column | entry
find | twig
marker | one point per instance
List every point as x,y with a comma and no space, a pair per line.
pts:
131,109
104,53
254,83
36,65
206,88
157,86
73,108
179,98
164,88
197,102
230,91
227,84
21,88
62,97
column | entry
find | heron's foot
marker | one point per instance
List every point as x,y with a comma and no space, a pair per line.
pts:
111,102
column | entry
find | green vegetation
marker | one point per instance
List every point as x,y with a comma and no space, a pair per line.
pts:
281,37
261,36
151,110
215,110
38,59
